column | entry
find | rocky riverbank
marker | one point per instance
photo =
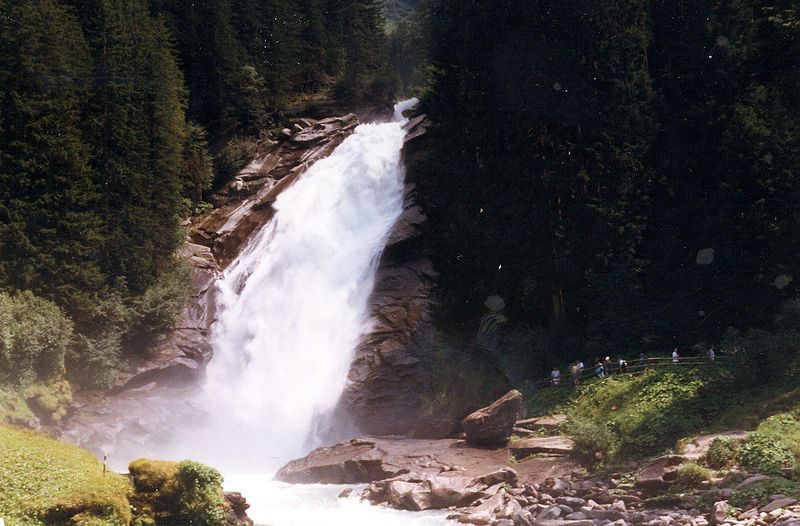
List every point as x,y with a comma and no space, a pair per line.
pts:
502,471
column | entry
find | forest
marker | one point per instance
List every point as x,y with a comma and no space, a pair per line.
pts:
623,173
118,118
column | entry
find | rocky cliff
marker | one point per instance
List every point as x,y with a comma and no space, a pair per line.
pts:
386,379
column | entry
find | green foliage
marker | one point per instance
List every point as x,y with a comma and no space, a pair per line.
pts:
594,441
722,453
14,410
648,412
34,336
692,475
199,165
232,158
784,427
44,482
153,313
760,492
176,494
50,401
201,502
765,453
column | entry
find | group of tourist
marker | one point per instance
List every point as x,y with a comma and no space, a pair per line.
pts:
603,368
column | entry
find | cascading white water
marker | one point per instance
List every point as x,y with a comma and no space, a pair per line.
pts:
294,305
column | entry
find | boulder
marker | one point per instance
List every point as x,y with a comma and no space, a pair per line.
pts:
558,445
493,425
777,504
368,459
720,512
237,509
548,423
659,472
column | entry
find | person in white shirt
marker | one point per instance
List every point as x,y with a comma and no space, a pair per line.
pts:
711,354
675,356
555,376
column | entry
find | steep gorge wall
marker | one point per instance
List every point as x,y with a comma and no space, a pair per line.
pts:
388,376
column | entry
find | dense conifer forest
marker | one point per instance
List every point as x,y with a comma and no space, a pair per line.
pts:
117,117
623,173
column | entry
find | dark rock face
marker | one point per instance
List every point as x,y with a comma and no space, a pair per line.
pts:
245,203
493,425
386,379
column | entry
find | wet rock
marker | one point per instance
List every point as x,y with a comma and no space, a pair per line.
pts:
369,459
492,425
237,509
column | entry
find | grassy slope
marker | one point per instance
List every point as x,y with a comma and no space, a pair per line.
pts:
44,482
649,413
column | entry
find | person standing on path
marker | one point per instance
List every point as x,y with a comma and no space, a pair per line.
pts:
711,354
676,358
555,376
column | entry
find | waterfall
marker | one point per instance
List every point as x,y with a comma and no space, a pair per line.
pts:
294,306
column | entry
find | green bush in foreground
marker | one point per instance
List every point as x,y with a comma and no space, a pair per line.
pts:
692,475
177,494
722,453
765,453
594,442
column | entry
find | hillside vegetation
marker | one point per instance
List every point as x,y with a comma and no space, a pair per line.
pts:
44,482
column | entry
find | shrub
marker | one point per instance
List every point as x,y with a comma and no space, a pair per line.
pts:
784,427
201,502
34,336
232,158
765,453
95,362
692,475
177,494
594,442
722,453
761,492
50,401
156,311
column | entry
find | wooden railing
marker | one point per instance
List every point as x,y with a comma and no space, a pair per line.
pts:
634,367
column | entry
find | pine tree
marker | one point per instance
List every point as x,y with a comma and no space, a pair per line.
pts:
50,232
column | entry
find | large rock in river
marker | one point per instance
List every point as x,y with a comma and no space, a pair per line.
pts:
493,425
